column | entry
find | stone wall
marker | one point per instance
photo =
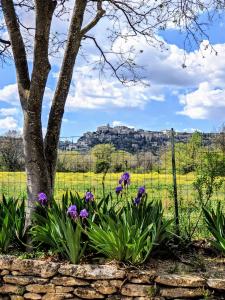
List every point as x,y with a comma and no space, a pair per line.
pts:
32,279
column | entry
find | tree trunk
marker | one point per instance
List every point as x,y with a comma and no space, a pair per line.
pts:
38,177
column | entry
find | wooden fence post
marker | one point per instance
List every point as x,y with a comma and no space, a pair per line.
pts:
176,207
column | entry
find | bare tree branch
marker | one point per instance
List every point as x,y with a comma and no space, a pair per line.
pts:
7,43
4,49
93,23
125,63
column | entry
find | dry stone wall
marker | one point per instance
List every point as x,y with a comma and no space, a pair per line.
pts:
34,279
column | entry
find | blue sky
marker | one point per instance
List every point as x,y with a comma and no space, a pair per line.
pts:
183,98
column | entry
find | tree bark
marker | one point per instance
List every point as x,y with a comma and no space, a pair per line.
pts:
38,179
35,163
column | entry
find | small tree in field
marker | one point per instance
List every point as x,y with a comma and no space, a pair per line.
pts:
11,151
125,19
103,155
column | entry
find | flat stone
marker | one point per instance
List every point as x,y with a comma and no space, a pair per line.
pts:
87,293
32,296
35,267
181,280
23,280
134,290
117,283
39,288
4,297
4,272
16,297
216,283
6,262
149,298
108,287
69,281
16,273
142,276
92,271
63,289
104,287
11,289
52,296
181,293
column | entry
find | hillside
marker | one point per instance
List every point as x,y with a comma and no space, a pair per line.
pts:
128,139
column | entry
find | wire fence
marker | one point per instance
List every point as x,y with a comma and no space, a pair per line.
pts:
180,169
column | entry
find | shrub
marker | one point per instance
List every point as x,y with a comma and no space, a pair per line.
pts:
131,234
215,221
54,227
102,166
12,222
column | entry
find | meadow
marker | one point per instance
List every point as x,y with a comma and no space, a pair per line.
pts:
158,186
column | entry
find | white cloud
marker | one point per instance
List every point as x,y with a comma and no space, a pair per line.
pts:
191,130
8,123
90,93
44,131
166,75
8,111
204,103
200,87
206,99
9,94
65,120
120,123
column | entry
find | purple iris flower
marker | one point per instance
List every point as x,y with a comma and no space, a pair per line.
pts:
84,213
89,197
72,211
141,191
119,189
140,194
42,198
125,179
137,200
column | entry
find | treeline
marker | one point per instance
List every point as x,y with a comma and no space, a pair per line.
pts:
103,158
194,156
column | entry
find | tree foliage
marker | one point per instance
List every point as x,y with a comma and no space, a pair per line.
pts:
188,155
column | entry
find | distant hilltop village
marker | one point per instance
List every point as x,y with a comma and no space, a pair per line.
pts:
128,139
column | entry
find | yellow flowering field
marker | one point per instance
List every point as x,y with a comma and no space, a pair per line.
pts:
157,185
